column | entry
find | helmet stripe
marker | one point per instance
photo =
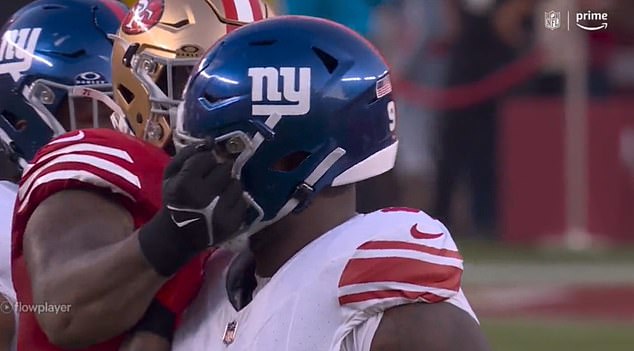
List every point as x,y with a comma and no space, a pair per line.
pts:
257,10
245,11
230,13
242,10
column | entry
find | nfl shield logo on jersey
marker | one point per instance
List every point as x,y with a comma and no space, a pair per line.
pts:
552,19
230,332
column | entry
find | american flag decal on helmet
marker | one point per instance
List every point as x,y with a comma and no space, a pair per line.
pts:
383,87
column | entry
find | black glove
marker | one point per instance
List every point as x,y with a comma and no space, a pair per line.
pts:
202,206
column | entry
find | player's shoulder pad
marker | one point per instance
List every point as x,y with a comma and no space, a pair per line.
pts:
97,158
407,257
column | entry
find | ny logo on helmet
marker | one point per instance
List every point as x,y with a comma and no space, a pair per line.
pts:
16,51
291,101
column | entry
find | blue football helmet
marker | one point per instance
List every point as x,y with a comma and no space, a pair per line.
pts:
301,103
52,52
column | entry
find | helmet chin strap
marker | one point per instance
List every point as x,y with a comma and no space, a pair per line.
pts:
297,203
304,192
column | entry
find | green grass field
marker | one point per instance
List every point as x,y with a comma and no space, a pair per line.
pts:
484,251
494,264
549,335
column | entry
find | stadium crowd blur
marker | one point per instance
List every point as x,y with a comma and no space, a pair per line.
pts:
489,105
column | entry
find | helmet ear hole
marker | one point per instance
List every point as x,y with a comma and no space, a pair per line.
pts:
125,93
291,161
129,54
263,42
52,7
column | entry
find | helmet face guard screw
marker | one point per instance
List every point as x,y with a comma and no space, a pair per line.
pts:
154,131
46,95
235,145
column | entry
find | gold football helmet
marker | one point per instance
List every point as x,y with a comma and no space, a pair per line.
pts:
130,3
157,46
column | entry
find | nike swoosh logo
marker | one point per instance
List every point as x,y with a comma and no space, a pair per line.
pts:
420,235
184,223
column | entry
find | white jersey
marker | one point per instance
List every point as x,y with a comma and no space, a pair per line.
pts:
332,294
8,193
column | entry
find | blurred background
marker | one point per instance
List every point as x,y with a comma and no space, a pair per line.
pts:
517,131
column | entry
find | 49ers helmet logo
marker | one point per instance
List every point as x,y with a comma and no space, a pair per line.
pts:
143,16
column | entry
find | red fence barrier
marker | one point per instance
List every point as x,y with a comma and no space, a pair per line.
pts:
532,178
496,84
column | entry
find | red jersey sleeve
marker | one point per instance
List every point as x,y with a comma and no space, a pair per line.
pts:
121,167
416,260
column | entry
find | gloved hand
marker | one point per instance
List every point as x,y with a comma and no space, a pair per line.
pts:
202,206
197,190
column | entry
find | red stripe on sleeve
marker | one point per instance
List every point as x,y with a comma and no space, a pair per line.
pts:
403,245
386,294
401,270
